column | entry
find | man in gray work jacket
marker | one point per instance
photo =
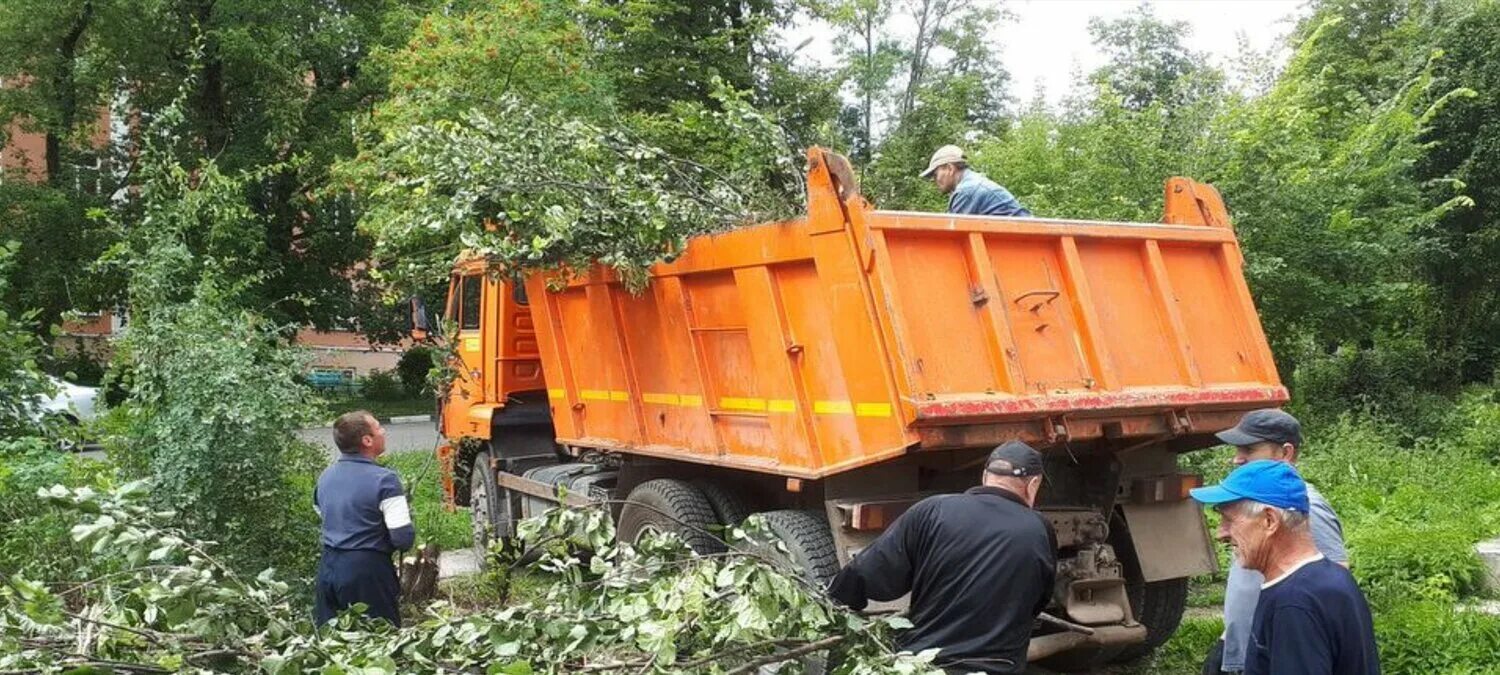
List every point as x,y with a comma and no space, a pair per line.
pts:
1275,435
365,520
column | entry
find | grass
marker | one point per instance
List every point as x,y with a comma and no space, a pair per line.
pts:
338,405
381,408
435,523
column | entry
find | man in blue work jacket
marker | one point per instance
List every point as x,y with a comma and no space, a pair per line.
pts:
365,520
969,191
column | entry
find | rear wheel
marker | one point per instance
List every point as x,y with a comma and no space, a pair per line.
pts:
729,506
491,514
809,555
808,541
670,505
1158,604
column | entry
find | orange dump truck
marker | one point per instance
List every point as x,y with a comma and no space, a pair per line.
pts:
831,370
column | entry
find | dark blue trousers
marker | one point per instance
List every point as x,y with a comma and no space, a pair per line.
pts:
346,577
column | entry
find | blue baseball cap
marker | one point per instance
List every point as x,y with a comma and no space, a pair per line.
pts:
1264,481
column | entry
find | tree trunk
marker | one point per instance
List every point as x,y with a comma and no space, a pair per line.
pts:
212,107
67,95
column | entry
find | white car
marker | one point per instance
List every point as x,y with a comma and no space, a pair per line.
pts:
72,401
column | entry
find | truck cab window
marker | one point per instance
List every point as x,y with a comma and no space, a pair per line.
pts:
469,303
450,312
518,292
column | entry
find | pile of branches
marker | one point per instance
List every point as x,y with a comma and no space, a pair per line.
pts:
531,187
161,602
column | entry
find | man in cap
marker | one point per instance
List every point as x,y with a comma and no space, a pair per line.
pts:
979,566
1274,435
968,190
1311,617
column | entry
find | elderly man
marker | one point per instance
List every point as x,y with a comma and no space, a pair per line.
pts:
979,566
1311,617
1274,435
968,190
365,519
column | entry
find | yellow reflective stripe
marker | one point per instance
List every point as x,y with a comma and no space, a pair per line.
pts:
662,399
556,394
735,403
833,408
848,408
781,405
594,395
619,396
691,400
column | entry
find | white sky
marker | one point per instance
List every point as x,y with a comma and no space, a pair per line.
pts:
1049,41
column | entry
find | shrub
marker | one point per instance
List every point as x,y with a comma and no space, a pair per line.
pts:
413,367
1431,637
382,385
35,540
211,418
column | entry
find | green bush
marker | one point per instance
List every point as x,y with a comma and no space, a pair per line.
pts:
1431,637
413,367
382,385
35,539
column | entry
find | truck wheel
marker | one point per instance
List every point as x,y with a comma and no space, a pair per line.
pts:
490,515
809,545
670,505
1159,604
729,507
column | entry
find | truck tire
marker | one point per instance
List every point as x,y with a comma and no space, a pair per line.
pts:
670,505
729,506
491,515
1158,604
809,545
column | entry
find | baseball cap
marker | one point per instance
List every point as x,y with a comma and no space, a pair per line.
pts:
1264,481
1019,459
947,154
1268,424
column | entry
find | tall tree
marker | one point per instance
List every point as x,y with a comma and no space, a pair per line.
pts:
1460,248
272,83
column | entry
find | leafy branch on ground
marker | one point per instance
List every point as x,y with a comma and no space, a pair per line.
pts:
170,604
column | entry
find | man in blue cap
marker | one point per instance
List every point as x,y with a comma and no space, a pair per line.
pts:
1310,618
1267,434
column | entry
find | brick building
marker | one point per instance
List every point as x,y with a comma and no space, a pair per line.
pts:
336,354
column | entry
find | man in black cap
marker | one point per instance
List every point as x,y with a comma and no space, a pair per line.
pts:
1277,436
979,566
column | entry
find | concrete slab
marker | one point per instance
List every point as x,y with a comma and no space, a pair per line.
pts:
457,563
1489,552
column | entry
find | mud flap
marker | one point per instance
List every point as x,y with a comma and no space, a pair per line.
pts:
1171,539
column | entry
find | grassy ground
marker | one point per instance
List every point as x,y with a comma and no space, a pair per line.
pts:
435,524
338,405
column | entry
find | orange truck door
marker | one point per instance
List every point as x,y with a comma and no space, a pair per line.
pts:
466,309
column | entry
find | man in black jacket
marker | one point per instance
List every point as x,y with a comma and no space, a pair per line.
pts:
979,566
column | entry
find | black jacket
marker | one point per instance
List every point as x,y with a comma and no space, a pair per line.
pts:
979,566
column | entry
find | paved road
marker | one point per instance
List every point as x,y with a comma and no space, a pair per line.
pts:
404,437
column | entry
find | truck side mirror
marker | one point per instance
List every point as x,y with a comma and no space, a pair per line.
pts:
420,328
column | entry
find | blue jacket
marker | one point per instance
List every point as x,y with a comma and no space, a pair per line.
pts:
363,507
978,195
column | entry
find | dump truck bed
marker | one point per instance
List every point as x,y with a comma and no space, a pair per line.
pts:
853,335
